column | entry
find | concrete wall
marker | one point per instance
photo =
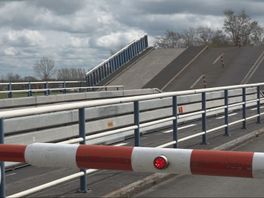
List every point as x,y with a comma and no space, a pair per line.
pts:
70,97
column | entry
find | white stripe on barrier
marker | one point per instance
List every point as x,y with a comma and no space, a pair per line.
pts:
257,165
51,155
179,160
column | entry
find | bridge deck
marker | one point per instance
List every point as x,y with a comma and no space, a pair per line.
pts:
138,74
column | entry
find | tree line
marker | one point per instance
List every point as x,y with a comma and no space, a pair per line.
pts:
44,70
239,29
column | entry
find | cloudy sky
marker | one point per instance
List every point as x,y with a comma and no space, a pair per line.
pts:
81,33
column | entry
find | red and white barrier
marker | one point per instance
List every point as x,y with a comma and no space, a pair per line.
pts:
139,159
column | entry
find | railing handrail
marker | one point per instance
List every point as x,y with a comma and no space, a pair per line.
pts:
112,56
63,88
39,82
85,104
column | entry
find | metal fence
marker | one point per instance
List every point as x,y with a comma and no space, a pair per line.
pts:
248,98
30,88
116,61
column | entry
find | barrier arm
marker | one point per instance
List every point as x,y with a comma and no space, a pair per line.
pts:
138,159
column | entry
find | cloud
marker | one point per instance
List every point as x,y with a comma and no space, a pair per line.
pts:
117,39
82,32
60,7
23,38
10,51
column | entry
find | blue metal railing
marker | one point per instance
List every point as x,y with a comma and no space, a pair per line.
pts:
116,61
204,110
20,89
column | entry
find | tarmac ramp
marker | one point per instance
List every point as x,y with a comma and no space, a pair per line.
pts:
191,68
257,74
140,72
217,67
172,69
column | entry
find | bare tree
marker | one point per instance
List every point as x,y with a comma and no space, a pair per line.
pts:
71,74
220,39
257,36
30,79
44,68
192,37
205,35
11,77
170,39
240,27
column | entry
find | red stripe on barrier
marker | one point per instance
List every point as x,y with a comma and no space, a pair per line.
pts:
222,163
12,153
104,157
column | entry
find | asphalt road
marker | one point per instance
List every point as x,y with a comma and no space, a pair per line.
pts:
237,62
210,186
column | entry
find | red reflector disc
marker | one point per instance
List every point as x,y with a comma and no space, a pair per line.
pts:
160,162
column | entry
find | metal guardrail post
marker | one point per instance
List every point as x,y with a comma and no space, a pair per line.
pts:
10,93
244,108
2,164
204,123
175,122
64,87
82,134
137,122
46,86
258,104
29,89
226,114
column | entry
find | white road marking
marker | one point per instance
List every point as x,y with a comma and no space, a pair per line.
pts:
180,128
11,174
217,59
196,82
229,115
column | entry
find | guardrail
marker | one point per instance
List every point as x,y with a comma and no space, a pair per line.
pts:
48,86
204,111
116,61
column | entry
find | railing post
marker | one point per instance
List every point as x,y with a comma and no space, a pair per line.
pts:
204,124
226,114
46,86
244,107
146,41
64,87
258,104
175,122
82,134
2,164
10,93
29,89
137,122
